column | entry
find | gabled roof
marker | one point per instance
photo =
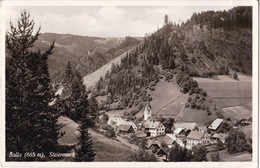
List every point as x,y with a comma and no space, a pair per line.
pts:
124,127
220,136
195,135
153,143
185,125
170,142
216,123
161,152
153,125
178,130
202,127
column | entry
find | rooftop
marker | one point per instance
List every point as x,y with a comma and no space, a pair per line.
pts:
185,125
195,135
124,127
215,124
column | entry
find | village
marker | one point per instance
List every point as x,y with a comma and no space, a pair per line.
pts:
159,141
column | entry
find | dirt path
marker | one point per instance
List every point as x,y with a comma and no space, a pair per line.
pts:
169,104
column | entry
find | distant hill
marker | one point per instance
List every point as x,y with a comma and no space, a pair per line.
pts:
86,53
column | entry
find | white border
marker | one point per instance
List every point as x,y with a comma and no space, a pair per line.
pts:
255,92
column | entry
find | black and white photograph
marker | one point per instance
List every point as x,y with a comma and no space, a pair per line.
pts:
129,83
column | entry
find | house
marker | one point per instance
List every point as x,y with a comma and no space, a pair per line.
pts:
153,146
170,143
215,124
130,123
179,132
147,111
202,128
243,122
154,128
221,137
140,134
161,153
196,137
125,129
115,121
185,126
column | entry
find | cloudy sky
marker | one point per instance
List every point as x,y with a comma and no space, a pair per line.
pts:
104,21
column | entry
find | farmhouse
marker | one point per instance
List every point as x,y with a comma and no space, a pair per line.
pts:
115,121
153,146
196,137
161,153
154,128
202,128
243,122
125,129
130,123
215,124
185,126
221,137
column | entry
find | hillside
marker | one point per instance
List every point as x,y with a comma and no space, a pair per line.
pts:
176,54
85,53
106,149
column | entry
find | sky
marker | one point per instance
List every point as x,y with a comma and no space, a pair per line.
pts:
104,21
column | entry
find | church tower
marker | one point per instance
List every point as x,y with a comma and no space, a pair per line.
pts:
147,110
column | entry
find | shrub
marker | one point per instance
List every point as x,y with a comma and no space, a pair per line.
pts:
189,99
235,76
187,105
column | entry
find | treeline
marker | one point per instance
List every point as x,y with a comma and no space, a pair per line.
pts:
237,17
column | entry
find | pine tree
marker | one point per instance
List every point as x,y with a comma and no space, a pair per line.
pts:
31,124
85,151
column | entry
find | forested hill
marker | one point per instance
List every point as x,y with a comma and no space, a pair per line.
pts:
200,47
85,53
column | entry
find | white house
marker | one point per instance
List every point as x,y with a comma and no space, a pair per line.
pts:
147,111
185,126
154,128
115,121
196,137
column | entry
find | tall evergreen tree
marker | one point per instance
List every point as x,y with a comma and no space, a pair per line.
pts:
31,124
85,150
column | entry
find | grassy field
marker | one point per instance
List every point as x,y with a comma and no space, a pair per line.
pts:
164,96
168,101
70,129
106,149
234,97
238,112
109,150
227,157
223,86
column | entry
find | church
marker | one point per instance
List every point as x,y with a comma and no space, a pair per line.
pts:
147,111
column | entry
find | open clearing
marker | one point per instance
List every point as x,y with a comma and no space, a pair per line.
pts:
70,130
165,93
234,97
238,112
227,157
106,149
168,101
226,91
109,150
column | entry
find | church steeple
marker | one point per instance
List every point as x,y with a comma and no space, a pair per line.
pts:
147,110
